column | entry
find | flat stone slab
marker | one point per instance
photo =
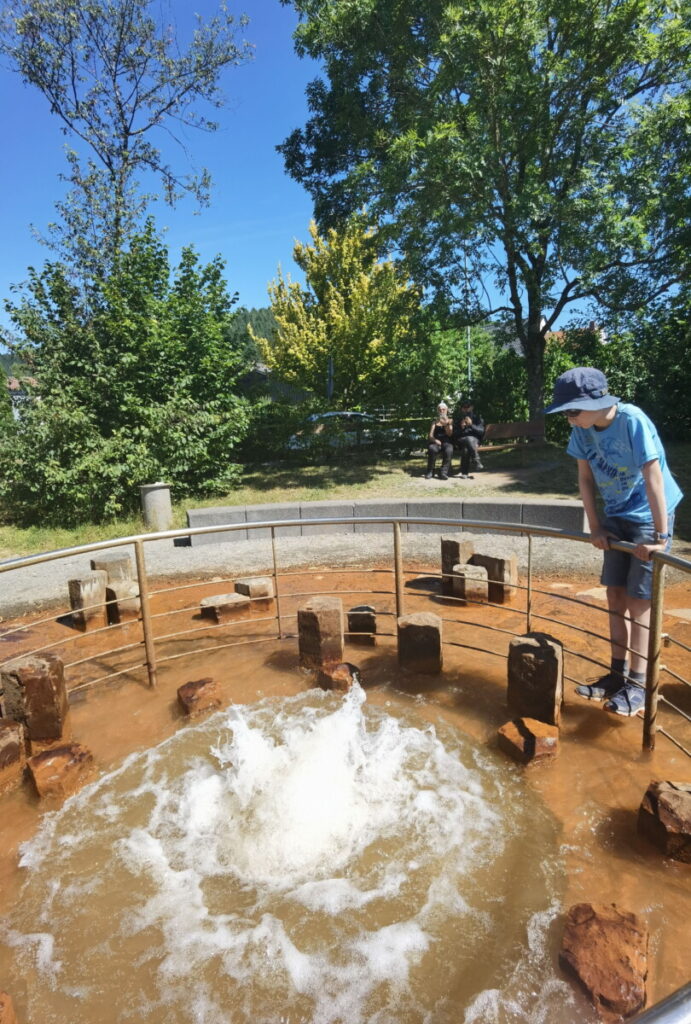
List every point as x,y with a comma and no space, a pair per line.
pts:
198,696
225,607
596,593
664,818
61,771
679,613
606,949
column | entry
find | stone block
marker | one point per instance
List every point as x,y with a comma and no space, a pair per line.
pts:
454,551
221,515
61,771
435,509
225,607
122,601
198,696
34,693
502,576
420,643
88,600
395,509
116,564
271,513
493,510
664,818
12,755
469,582
560,515
606,949
536,677
7,1014
320,632
256,587
526,740
339,677
326,510
362,625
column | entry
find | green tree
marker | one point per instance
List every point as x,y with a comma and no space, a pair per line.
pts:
355,321
134,385
538,144
117,78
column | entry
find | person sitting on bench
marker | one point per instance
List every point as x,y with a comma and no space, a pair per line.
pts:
439,440
467,435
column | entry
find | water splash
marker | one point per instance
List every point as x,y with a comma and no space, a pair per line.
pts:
307,859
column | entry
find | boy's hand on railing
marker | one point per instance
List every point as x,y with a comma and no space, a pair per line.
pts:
600,537
646,551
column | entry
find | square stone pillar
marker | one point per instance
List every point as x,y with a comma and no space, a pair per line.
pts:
320,632
454,551
420,643
502,574
259,589
33,692
88,600
470,582
536,677
12,756
362,625
117,565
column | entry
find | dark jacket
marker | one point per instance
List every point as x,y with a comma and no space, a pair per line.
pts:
476,429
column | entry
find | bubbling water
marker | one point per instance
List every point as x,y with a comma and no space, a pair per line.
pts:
310,859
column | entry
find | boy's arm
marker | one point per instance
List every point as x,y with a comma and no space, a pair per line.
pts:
599,536
655,491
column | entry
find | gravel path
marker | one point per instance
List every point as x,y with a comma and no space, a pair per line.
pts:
32,588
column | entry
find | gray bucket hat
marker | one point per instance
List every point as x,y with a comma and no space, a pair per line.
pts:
583,387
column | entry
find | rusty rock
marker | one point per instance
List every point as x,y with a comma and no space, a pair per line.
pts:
7,1014
607,951
320,632
61,771
526,740
664,817
12,755
535,677
338,677
420,643
33,692
198,696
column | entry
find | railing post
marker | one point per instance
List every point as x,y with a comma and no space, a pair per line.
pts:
146,612
529,591
398,568
275,573
652,675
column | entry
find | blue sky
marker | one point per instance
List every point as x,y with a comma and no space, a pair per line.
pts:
256,211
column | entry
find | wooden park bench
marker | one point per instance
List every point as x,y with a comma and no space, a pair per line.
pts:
512,433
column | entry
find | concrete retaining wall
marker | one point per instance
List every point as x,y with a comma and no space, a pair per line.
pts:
559,514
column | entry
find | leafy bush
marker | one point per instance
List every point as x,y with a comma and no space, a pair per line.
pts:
135,384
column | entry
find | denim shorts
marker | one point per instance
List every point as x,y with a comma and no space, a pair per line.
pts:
619,568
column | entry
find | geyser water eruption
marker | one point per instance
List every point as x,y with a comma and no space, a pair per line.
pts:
309,859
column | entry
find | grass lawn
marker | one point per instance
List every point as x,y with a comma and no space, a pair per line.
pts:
527,470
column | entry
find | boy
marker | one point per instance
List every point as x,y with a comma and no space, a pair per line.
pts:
620,454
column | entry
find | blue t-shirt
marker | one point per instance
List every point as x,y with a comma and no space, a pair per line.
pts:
616,455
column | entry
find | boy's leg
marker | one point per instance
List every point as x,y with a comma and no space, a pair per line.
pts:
619,636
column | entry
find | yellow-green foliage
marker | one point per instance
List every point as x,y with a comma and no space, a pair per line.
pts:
357,309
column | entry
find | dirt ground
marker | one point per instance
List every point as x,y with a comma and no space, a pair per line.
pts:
594,786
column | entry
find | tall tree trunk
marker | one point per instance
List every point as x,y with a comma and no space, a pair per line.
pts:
535,365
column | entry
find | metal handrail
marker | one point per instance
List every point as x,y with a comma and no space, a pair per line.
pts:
675,1009
660,561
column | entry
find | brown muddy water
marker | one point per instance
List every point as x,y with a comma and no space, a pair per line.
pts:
309,857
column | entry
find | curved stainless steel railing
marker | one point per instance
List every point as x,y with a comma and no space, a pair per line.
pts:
656,638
